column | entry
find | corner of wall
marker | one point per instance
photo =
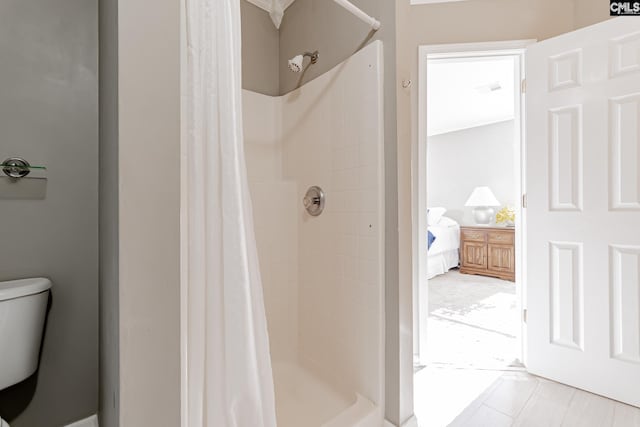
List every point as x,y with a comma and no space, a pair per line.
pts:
109,356
260,50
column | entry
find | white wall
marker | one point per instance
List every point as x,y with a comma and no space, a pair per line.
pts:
457,162
323,276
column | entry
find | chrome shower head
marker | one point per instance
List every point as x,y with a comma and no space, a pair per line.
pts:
295,63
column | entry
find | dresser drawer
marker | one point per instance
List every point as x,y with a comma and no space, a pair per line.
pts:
501,237
473,235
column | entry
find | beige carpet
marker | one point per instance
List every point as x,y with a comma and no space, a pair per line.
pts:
473,321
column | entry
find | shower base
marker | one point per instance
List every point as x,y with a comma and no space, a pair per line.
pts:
303,399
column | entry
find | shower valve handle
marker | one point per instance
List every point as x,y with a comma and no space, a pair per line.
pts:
310,201
313,201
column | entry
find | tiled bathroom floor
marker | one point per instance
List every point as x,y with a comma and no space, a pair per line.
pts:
471,397
472,339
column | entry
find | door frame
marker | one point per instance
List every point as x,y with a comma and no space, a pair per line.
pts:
419,181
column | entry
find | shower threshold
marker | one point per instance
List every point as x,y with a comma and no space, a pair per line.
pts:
303,399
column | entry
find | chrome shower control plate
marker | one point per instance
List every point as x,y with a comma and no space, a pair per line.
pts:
314,201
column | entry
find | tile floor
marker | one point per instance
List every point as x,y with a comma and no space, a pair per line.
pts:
473,329
473,397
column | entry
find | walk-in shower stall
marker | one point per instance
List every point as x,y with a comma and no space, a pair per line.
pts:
322,270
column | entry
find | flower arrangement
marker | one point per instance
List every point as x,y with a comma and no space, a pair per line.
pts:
506,216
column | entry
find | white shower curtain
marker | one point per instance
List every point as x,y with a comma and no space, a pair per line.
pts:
228,367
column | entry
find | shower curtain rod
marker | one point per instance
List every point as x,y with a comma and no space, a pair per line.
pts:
371,21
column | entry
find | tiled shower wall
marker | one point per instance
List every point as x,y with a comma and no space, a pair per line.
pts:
323,276
275,221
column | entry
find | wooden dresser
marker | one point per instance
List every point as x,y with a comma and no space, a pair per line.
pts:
488,251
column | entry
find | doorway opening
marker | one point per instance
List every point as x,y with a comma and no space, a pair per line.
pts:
468,287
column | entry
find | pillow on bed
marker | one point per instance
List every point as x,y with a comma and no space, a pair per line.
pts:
430,239
445,221
434,215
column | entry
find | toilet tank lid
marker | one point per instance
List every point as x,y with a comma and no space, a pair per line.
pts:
23,287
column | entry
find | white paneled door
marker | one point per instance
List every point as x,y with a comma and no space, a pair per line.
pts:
583,209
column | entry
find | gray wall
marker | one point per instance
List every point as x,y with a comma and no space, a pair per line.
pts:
260,51
49,115
323,25
109,322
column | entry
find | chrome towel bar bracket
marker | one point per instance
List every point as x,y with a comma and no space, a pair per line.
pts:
17,167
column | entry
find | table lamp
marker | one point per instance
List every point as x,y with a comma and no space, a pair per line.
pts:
482,199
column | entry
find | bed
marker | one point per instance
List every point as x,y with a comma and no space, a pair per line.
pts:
444,244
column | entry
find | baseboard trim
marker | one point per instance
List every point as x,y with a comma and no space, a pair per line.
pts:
411,422
92,421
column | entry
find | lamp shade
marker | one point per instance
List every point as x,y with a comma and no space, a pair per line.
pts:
482,196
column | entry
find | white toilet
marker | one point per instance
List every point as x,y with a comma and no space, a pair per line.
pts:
23,306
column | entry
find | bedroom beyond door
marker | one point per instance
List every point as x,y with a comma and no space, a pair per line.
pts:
468,294
580,234
468,317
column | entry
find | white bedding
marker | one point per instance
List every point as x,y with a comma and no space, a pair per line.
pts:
443,254
441,263
447,238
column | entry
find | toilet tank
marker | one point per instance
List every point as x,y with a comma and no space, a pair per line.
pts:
23,306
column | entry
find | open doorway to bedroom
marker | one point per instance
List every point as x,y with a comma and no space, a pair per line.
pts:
471,193
467,288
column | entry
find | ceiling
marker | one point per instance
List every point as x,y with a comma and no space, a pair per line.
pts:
469,92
